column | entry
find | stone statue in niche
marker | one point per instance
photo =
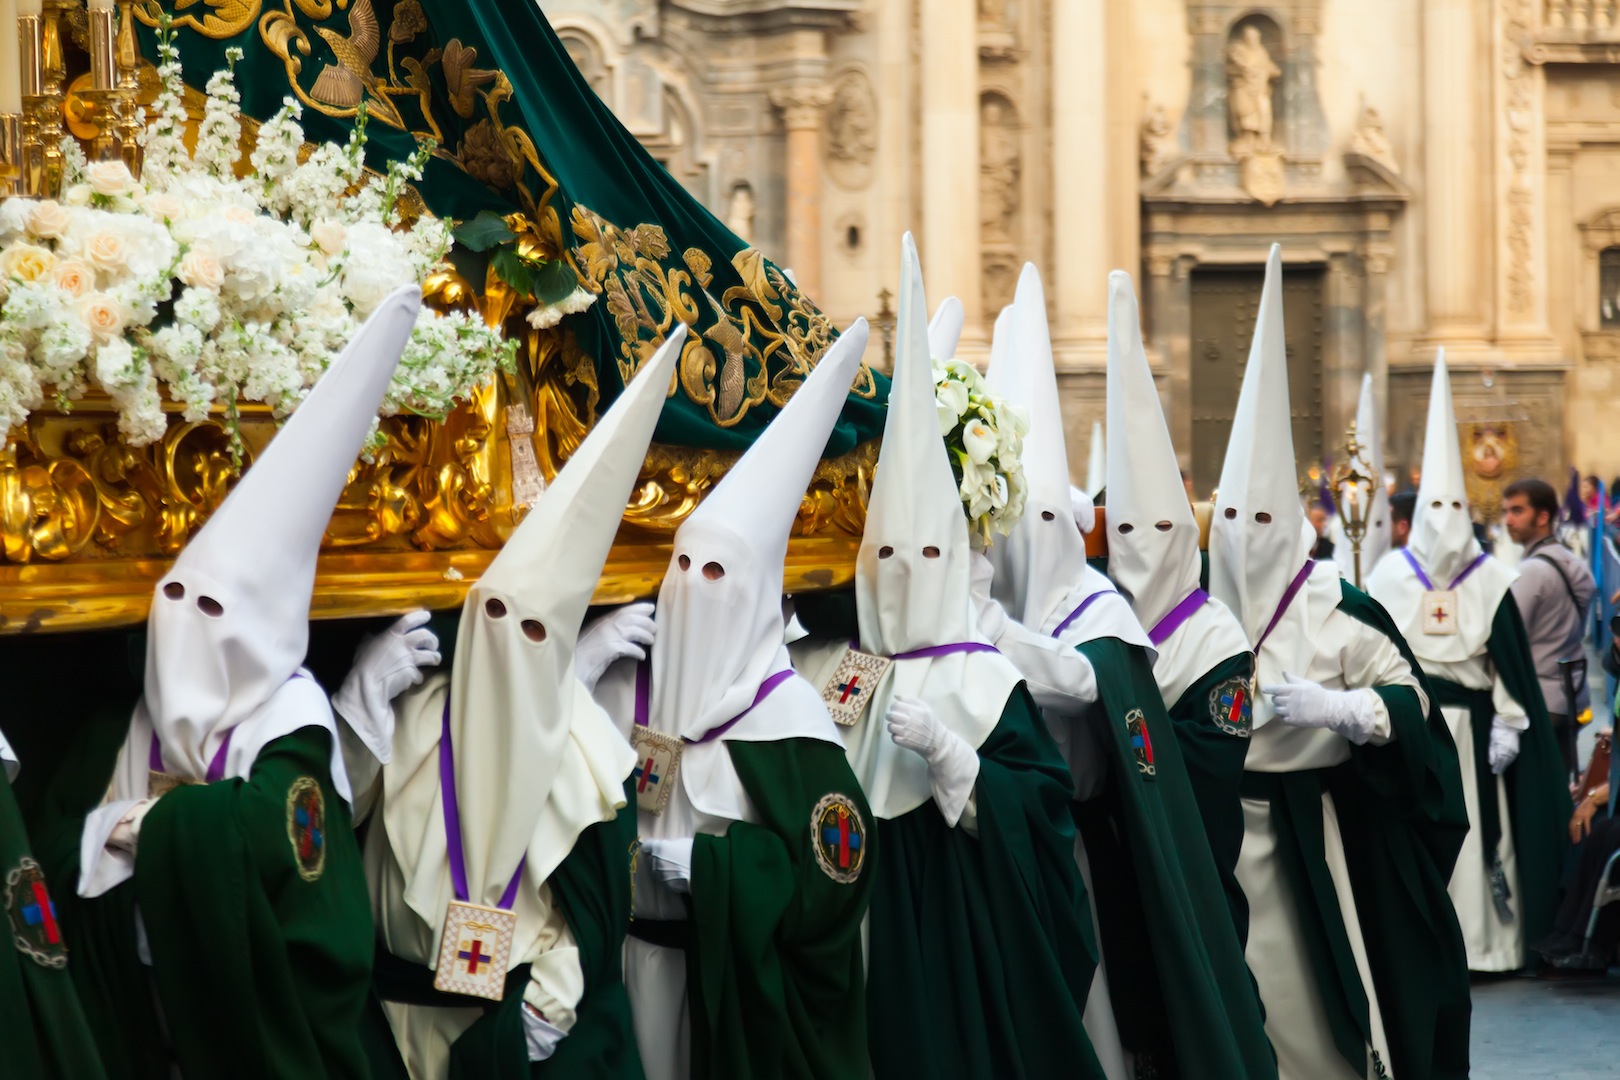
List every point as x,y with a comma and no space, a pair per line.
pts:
1370,140
1250,71
740,213
852,130
1000,167
1158,140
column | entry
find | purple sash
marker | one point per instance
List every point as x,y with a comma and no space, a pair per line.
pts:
1179,614
216,767
1287,599
1424,578
1081,610
644,701
452,822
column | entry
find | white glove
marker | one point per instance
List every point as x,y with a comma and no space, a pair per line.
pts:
1504,746
1085,511
541,1035
991,615
1302,703
385,666
625,633
953,765
671,862
126,835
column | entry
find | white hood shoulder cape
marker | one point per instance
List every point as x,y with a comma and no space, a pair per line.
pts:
229,623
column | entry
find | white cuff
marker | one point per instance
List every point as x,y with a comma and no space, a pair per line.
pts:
1382,729
103,868
951,775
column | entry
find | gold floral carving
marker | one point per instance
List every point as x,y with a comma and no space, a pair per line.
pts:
217,19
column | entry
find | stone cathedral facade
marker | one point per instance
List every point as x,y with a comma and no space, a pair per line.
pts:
1439,172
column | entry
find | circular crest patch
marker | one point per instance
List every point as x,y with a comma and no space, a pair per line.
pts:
33,916
838,836
1231,707
306,827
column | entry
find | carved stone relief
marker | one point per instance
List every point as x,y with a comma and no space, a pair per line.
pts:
1000,168
1158,145
1518,81
740,212
1370,141
852,131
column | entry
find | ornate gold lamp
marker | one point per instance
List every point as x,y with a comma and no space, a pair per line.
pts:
1352,488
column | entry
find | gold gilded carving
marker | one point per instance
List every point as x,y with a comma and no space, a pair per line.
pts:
217,19
343,84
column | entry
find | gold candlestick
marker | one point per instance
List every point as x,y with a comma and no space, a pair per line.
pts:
130,121
103,96
50,113
30,48
11,155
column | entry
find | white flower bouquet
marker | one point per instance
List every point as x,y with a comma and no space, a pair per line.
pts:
217,288
985,438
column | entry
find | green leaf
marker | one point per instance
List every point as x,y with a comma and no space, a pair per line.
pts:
483,232
515,270
554,281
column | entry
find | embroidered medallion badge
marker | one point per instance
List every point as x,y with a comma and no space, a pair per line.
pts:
658,764
33,916
1440,611
306,827
1141,742
475,950
1230,705
850,688
838,836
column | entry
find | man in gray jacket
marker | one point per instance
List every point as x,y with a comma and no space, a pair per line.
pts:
1554,593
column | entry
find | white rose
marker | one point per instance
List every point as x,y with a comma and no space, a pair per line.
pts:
201,270
106,251
330,236
77,195
104,316
74,278
979,440
49,220
26,262
110,178
163,207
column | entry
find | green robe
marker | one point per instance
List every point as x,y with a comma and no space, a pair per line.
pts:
43,1031
262,951
1192,1011
1402,819
1214,760
981,951
1539,805
775,984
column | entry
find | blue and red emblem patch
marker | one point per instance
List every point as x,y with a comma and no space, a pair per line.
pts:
34,928
1231,707
838,836
306,827
1141,742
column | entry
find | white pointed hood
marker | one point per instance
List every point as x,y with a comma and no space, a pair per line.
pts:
1097,462
229,624
1152,534
907,598
719,615
1259,537
1370,434
1037,564
1442,532
537,761
945,330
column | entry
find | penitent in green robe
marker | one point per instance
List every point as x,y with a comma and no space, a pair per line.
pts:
43,1031
1402,819
1539,805
1183,999
592,889
980,954
774,975
255,907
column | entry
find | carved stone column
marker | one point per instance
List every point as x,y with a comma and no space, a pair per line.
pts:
1454,150
949,244
801,108
1080,191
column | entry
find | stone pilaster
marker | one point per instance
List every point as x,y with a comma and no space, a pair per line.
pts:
802,108
949,243
1080,188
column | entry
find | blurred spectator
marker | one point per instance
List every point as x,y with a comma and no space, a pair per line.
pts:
1597,836
1324,543
1401,505
1554,593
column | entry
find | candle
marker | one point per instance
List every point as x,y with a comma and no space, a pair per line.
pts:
30,7
10,60
101,5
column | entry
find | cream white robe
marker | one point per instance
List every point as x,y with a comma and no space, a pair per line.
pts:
424,1034
1318,642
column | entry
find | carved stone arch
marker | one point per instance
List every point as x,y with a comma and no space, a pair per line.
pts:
1599,302
591,46
681,143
